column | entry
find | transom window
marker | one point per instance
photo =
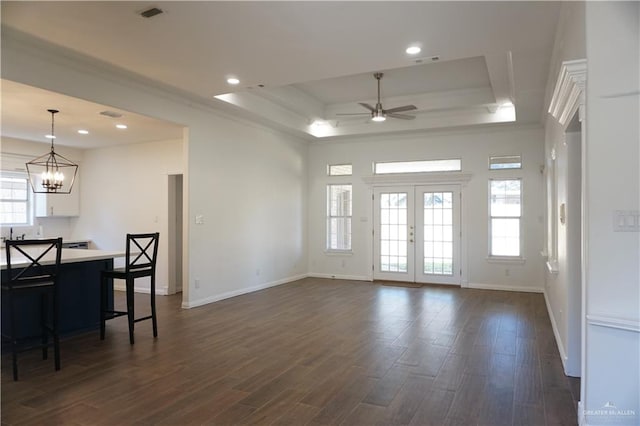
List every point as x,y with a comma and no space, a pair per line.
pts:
340,170
424,166
15,199
505,162
339,200
505,201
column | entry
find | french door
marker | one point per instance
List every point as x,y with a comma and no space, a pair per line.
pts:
417,234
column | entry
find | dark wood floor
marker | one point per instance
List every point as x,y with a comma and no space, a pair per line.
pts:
310,352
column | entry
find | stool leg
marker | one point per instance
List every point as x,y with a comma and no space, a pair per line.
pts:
130,310
14,349
56,335
103,304
44,316
154,319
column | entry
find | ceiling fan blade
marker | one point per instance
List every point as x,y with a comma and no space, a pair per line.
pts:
367,106
352,113
402,116
400,109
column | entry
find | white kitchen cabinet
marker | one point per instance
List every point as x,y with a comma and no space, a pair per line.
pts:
59,205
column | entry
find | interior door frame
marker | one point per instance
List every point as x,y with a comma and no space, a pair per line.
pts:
419,179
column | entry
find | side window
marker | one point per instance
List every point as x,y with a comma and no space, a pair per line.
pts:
15,199
339,200
505,211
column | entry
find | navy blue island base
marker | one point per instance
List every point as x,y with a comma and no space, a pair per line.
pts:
79,288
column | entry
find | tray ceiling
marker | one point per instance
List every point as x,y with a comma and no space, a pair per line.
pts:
301,63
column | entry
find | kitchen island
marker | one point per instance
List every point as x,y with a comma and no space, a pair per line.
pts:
79,291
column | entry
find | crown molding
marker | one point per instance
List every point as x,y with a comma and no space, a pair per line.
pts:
569,93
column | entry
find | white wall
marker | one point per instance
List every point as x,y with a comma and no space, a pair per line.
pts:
613,179
247,181
562,287
14,153
125,190
474,147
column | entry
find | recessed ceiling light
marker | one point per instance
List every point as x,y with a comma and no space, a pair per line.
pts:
233,80
121,126
49,136
83,132
413,50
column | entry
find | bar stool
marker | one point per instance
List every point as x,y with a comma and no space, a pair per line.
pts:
37,276
139,264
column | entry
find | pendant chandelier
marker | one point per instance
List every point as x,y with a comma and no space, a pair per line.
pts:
52,173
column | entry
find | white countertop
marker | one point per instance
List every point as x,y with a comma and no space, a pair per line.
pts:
68,256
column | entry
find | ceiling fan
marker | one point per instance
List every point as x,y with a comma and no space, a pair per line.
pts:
380,114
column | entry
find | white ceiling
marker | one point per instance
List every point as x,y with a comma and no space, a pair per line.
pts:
316,59
25,116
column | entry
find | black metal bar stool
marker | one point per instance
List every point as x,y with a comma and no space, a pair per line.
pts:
39,276
140,264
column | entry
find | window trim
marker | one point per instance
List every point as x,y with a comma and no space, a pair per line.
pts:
328,217
29,200
491,258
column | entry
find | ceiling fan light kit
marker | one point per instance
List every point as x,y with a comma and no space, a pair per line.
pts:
379,114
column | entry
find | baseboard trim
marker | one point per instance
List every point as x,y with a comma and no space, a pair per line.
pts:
582,421
161,291
500,287
240,292
559,343
339,277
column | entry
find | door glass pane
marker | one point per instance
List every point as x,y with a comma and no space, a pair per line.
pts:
438,233
393,232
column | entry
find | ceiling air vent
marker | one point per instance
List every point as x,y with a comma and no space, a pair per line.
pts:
111,114
150,13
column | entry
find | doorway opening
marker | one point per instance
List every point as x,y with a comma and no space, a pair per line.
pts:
175,233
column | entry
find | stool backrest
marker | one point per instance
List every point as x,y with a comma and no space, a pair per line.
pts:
145,247
43,262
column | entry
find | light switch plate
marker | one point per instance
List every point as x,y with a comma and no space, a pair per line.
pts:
626,221
199,219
